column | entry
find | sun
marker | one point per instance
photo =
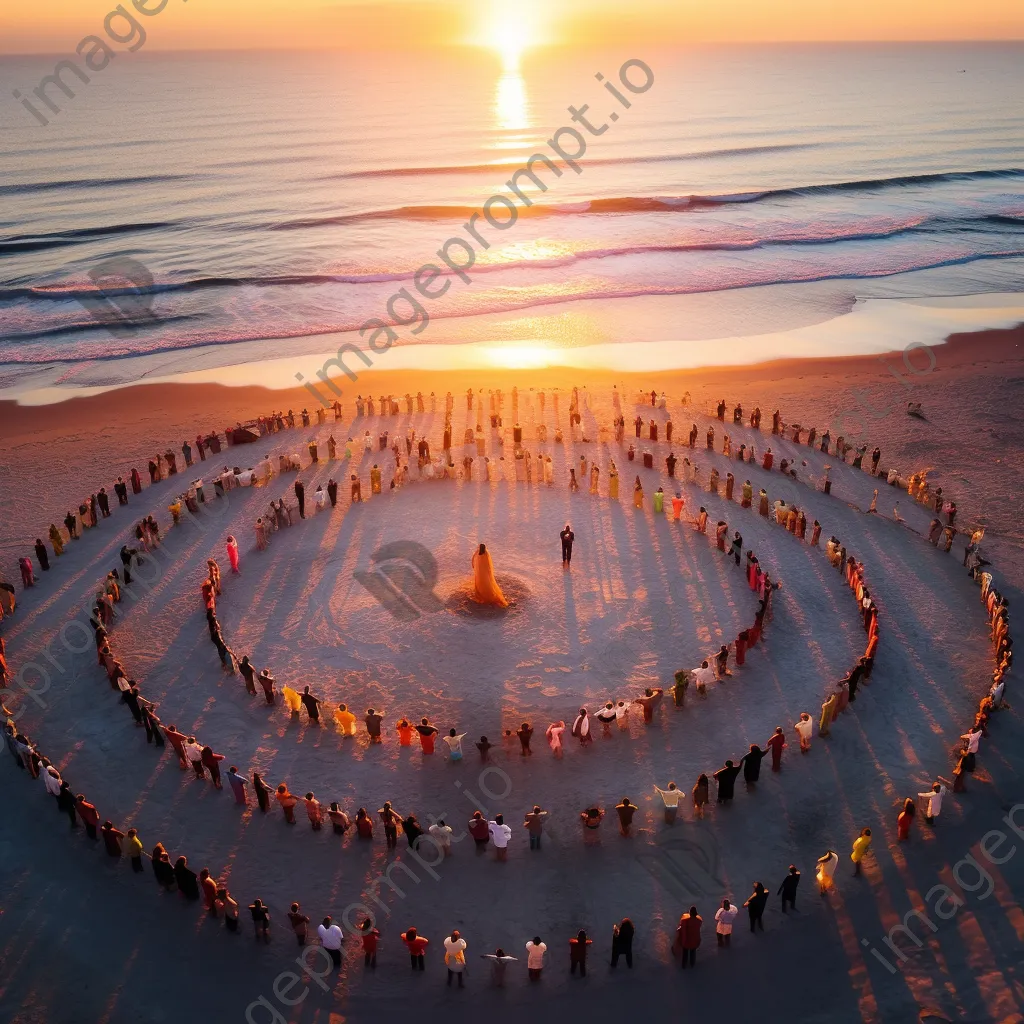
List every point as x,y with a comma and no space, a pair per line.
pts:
510,30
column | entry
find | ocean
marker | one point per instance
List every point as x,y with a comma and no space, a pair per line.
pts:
752,203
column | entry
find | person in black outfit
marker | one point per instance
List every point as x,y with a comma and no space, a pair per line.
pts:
726,779
300,493
72,524
567,538
312,704
670,464
789,887
121,490
127,554
755,906
622,942
751,762
332,492
44,558
853,679
104,502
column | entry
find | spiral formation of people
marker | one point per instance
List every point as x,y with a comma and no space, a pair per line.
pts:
480,717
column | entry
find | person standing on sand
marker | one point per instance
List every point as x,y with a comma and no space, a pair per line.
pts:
788,888
374,720
625,811
260,921
237,784
428,735
391,819
231,545
804,729
578,953
905,819
287,801
262,791
554,737
649,701
312,705
500,834
454,742
700,795
933,801
299,922
755,905
266,680
455,956
581,728
525,733
687,940
534,825
827,865
670,798
480,831
567,537
331,939
726,779
860,847
724,917
776,745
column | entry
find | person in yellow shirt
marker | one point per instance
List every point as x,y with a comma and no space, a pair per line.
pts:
346,720
860,847
135,848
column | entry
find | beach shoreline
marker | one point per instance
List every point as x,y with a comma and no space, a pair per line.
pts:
174,400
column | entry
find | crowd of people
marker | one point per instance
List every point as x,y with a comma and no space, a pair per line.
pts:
494,833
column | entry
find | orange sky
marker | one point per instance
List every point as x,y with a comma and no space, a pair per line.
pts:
57,25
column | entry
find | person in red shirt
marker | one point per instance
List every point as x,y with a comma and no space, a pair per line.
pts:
364,824
428,734
369,936
417,946
776,745
649,701
209,889
89,815
688,937
178,742
112,839
210,761
405,732
479,830
578,953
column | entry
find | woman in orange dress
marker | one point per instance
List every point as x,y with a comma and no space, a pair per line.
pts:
485,586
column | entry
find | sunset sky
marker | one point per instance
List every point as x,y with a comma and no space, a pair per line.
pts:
56,25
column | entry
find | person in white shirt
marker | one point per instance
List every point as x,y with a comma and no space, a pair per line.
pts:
804,729
670,798
194,753
331,939
973,740
454,741
724,918
535,950
442,836
319,498
703,676
499,962
933,802
51,780
500,834
455,956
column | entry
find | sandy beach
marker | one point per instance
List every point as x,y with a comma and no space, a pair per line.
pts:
644,597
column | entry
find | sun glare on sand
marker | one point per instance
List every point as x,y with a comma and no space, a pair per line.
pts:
520,357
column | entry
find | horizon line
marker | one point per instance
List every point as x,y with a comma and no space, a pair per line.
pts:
589,47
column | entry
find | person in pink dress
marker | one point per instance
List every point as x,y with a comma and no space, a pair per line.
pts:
232,549
554,735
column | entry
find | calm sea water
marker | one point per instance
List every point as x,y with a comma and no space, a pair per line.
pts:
287,197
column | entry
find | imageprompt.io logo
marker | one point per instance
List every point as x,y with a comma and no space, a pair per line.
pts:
122,300
402,578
